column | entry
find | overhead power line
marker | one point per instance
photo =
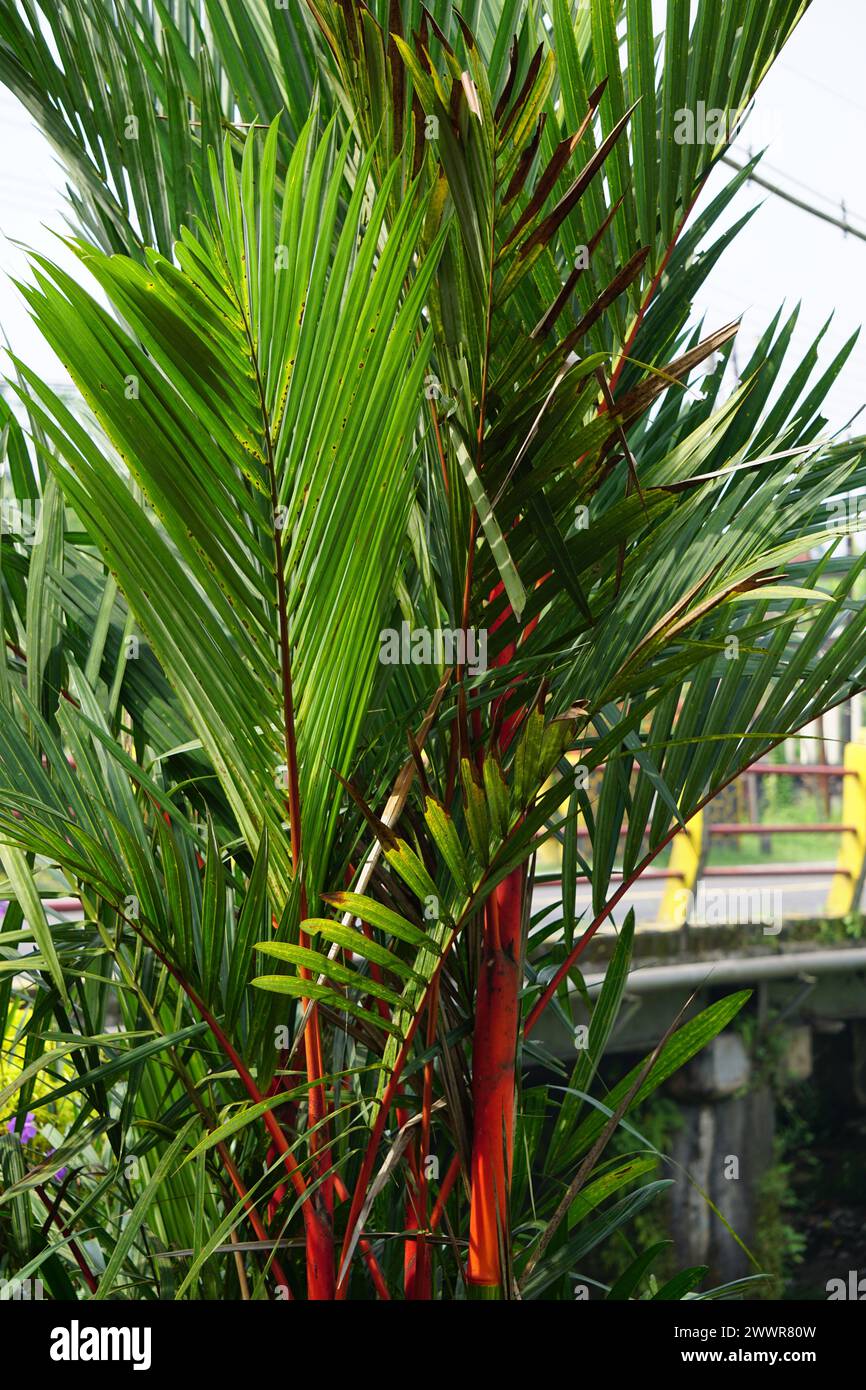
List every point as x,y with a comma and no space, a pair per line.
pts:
789,178
824,86
842,223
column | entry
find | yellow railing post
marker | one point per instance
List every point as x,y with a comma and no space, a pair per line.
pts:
684,867
846,885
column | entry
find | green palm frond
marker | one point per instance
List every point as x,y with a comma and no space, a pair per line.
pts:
265,408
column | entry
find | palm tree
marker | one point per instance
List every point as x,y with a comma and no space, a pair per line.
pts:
386,539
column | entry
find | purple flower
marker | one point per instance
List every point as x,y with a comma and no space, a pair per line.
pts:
29,1128
61,1172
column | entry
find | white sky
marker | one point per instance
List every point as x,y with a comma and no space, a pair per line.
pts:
814,100
814,105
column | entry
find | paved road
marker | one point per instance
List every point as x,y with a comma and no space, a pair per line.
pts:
718,901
